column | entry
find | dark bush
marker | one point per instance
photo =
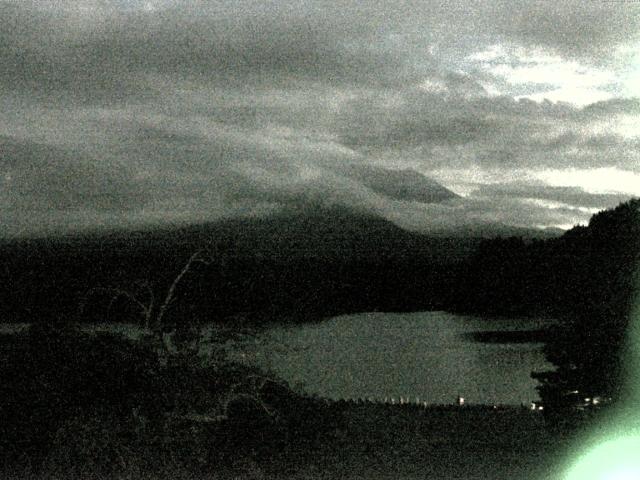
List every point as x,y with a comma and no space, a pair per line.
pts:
54,373
101,403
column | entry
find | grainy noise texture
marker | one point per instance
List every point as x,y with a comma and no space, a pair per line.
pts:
307,239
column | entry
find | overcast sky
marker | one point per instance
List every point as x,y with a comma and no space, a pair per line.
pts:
124,113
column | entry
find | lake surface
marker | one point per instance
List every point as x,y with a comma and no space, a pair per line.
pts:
430,355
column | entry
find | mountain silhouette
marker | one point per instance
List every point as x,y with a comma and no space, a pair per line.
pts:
404,185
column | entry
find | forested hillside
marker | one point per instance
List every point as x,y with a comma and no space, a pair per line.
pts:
588,279
309,265
297,265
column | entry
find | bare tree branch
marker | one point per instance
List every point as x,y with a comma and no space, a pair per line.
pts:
146,302
195,258
116,293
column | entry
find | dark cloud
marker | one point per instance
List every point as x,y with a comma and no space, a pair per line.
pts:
576,28
116,57
406,185
106,52
38,177
119,111
49,189
616,106
490,132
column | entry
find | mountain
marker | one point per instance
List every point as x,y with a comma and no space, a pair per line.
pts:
308,230
405,185
310,261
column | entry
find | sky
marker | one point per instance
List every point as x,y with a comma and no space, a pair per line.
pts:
127,113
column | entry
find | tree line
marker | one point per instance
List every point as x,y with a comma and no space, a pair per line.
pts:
587,279
276,270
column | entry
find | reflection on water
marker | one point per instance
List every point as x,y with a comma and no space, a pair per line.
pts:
430,355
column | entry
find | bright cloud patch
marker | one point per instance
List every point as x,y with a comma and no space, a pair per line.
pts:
542,76
599,180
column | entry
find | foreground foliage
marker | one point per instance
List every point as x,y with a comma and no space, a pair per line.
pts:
103,405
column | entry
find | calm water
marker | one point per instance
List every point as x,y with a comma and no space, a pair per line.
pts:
427,355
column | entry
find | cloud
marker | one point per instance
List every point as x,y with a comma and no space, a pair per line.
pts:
575,28
406,185
485,215
568,196
599,180
105,49
488,132
118,55
40,178
191,110
615,106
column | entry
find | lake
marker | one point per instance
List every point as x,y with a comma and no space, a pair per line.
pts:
430,355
